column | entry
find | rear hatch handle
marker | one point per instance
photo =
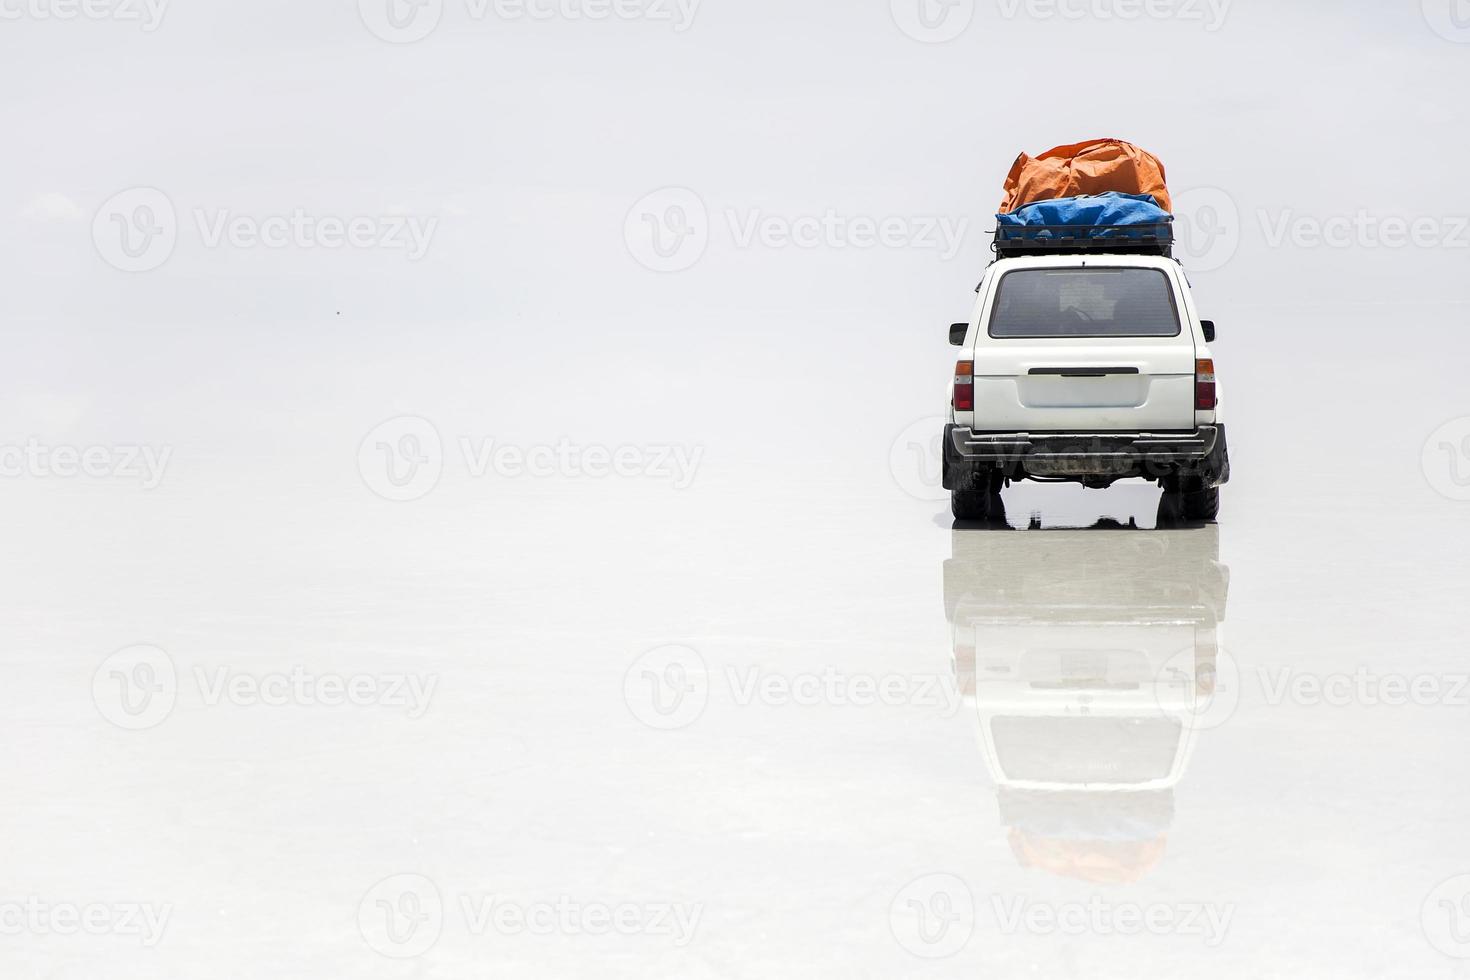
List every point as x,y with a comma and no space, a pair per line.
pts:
1082,372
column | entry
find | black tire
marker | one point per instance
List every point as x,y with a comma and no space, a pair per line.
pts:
979,499
1201,505
969,505
1171,511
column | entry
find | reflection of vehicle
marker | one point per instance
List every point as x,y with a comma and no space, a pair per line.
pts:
1086,655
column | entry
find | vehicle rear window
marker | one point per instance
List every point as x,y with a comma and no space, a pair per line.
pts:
1084,303
1112,751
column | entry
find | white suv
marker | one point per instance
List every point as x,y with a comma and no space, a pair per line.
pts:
1089,368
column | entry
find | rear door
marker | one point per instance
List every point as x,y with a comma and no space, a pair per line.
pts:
1092,348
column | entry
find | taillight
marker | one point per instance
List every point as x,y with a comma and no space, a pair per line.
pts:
1204,385
964,386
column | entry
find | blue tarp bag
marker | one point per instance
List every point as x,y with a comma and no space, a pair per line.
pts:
1108,216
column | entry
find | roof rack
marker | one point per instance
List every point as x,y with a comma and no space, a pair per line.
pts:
1143,239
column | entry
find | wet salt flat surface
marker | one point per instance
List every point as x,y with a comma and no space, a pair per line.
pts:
419,740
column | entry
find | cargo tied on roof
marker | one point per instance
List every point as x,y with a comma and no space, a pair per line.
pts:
1111,222
1090,168
1098,196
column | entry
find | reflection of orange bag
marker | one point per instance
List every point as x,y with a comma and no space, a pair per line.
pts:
1094,167
1099,862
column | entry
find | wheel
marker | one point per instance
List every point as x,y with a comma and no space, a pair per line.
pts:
969,505
1201,505
1171,511
979,500
1188,499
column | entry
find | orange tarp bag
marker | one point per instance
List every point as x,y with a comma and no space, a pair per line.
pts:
1094,167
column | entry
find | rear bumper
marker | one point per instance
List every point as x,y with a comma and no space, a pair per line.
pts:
1201,453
